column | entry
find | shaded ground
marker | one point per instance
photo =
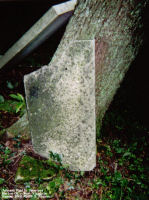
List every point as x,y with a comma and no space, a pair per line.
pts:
122,169
121,172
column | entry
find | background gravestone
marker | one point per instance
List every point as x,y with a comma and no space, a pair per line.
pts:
54,18
61,106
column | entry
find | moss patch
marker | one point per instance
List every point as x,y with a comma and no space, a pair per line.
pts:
32,169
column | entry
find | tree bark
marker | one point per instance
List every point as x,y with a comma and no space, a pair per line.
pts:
115,25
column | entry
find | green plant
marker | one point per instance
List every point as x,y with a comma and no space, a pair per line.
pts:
17,105
3,193
2,99
5,153
10,85
95,196
96,183
53,186
27,186
123,166
17,140
55,157
2,181
20,104
55,161
34,197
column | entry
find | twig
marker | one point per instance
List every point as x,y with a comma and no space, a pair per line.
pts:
17,161
10,177
15,156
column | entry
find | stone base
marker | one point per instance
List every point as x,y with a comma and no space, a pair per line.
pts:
21,128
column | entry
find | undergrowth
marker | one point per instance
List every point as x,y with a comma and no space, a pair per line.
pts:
122,167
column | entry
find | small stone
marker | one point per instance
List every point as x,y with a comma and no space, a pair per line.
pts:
20,128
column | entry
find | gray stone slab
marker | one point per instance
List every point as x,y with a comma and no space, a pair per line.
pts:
20,128
55,17
61,106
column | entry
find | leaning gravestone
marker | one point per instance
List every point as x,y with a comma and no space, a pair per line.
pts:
61,106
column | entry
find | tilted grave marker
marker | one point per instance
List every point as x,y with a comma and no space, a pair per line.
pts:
55,17
61,106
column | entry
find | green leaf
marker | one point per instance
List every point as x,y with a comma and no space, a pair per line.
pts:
126,154
14,96
118,176
99,181
2,181
9,85
7,151
82,173
18,97
52,184
120,150
19,106
8,106
2,99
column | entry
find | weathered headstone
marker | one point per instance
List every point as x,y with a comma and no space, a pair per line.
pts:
61,106
55,17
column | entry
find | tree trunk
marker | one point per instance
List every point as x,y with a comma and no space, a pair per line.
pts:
55,109
115,25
